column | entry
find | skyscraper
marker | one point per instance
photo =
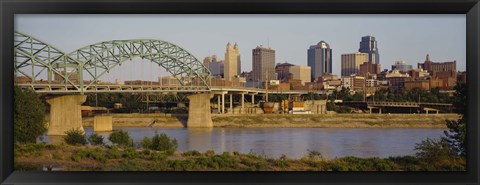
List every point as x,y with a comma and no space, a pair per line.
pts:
231,62
263,63
319,59
239,62
301,73
206,61
216,66
369,45
351,63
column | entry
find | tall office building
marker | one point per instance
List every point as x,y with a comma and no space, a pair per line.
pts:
433,67
263,63
301,73
351,63
206,61
216,66
239,62
231,62
319,59
369,45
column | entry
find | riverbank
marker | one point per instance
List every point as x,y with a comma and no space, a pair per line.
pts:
38,157
288,120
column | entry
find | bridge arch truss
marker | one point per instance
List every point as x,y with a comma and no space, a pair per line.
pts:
34,57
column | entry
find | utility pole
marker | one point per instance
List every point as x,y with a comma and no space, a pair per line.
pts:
266,87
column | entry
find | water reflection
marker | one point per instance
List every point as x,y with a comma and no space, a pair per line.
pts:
293,142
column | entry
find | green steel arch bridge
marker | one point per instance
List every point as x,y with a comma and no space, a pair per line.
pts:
81,70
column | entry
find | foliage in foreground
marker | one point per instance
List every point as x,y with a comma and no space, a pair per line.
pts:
96,139
121,138
75,137
112,158
160,143
453,144
28,116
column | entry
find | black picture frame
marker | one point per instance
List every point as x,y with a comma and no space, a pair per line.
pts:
10,7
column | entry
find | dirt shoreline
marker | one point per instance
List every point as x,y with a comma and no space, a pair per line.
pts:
288,120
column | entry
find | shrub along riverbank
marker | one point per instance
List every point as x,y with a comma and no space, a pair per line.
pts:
30,157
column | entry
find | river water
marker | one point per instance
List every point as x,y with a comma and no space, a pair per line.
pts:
293,142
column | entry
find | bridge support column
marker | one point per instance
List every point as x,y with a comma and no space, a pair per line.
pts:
218,105
253,99
231,103
199,111
65,114
102,123
223,103
242,100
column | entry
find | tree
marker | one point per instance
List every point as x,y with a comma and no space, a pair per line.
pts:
120,138
96,139
455,136
75,137
160,143
28,116
457,130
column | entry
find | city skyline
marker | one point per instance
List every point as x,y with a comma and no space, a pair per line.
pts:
404,37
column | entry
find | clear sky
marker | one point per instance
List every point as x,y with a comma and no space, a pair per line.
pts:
399,37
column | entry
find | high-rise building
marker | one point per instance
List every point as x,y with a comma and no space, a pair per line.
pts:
351,63
320,59
369,45
231,62
283,71
368,68
434,67
263,63
301,73
239,62
216,67
206,61
402,66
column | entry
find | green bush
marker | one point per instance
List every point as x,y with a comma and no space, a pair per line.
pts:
114,153
146,152
158,156
96,139
130,153
146,143
431,150
28,116
160,143
209,153
75,137
89,153
315,155
282,163
192,153
121,138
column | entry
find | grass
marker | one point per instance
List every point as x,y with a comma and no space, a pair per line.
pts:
32,157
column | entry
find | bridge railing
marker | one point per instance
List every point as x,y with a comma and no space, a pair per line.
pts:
63,88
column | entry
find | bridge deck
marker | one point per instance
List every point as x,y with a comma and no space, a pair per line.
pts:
115,88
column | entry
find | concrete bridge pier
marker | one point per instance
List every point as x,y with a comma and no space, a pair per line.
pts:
243,100
65,114
102,123
218,104
231,104
199,114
